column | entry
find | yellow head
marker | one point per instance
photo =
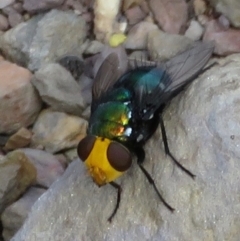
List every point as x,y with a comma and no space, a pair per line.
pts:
106,160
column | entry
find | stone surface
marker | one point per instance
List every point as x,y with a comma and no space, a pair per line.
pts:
48,167
58,89
34,6
14,215
230,8
21,138
16,174
227,41
203,126
194,31
170,15
4,25
137,36
135,15
44,38
5,3
56,131
163,46
14,18
19,101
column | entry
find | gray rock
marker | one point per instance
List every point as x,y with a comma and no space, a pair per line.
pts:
14,216
57,131
5,3
44,38
34,6
230,8
163,46
203,126
58,89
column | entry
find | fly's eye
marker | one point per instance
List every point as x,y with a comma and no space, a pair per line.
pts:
85,147
119,157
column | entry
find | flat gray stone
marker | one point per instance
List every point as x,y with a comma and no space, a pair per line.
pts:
203,126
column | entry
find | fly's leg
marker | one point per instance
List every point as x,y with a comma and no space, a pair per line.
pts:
167,151
119,190
140,153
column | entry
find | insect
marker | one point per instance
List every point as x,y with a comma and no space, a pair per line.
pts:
126,110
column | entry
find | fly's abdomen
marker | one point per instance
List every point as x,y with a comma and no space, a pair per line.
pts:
111,120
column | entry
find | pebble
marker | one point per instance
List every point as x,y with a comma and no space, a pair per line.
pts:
19,101
135,15
4,25
16,175
226,41
35,6
57,131
58,89
163,46
21,138
194,31
170,15
137,36
5,3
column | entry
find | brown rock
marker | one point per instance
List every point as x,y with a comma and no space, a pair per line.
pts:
170,15
14,18
19,102
57,131
16,175
4,25
21,138
227,41
135,15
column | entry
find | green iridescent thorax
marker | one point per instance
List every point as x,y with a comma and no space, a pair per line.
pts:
111,119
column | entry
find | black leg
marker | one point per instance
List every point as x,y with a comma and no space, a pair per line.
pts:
167,151
119,190
140,153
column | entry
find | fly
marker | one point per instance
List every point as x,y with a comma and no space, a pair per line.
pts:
127,109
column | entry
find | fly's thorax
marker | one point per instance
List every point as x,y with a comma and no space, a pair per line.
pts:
105,159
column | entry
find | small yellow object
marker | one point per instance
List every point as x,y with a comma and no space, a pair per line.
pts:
117,39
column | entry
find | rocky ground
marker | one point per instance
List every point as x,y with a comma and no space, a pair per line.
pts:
45,192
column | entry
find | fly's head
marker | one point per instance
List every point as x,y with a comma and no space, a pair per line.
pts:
105,159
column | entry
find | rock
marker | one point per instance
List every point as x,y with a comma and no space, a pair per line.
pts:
170,15
42,40
94,47
19,101
135,15
21,138
137,36
48,167
5,3
226,41
203,126
14,215
105,12
34,6
194,31
58,89
199,7
229,8
163,46
15,18
56,131
4,25
71,154
17,174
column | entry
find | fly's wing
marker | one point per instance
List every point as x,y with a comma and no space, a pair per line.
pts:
173,76
106,76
